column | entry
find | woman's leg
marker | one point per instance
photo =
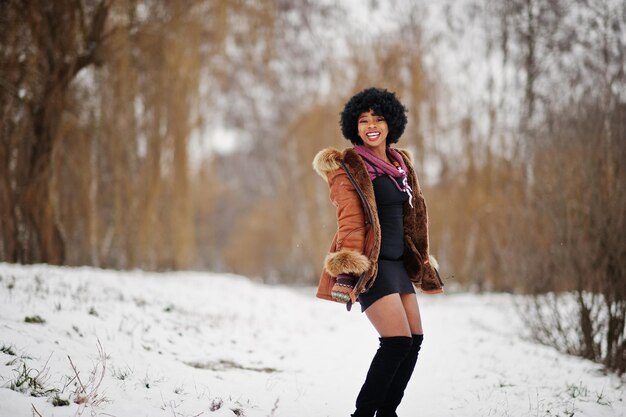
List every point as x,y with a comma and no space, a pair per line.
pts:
405,369
412,311
388,316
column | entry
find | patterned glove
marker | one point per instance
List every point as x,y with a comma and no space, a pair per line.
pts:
343,287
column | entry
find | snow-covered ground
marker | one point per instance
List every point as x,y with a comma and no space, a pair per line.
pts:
199,344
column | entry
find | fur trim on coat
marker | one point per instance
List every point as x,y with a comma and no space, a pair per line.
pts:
346,262
327,161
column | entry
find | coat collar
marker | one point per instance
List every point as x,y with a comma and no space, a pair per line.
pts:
329,160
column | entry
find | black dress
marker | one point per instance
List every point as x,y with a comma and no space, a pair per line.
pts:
392,276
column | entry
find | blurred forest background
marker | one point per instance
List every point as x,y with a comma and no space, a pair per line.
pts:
176,134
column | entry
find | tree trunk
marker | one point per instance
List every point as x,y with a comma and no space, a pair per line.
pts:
44,242
8,229
42,237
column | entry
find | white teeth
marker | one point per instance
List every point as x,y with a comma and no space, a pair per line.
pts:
373,135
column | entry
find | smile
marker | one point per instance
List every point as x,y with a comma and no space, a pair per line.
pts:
373,135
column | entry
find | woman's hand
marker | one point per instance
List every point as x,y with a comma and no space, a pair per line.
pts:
343,287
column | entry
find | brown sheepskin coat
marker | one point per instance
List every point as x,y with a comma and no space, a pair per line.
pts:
356,245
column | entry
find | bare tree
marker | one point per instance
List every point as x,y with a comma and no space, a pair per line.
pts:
50,43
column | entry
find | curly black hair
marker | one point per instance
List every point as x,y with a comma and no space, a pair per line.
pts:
382,103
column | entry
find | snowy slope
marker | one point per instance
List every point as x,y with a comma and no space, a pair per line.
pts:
191,344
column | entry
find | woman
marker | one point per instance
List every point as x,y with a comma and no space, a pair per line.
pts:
380,250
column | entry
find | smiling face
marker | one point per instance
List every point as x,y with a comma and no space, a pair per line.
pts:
373,130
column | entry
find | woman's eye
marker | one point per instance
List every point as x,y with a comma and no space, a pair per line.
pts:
362,121
380,119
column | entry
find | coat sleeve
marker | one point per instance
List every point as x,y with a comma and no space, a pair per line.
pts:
348,257
430,281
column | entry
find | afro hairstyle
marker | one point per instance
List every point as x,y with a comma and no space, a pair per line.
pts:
382,103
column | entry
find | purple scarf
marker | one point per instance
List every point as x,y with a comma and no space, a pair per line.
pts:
377,167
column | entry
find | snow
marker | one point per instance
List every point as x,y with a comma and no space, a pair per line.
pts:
184,344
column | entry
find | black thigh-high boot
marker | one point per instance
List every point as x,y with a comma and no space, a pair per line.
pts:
391,352
400,380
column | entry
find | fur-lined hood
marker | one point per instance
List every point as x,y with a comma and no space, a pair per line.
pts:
328,160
